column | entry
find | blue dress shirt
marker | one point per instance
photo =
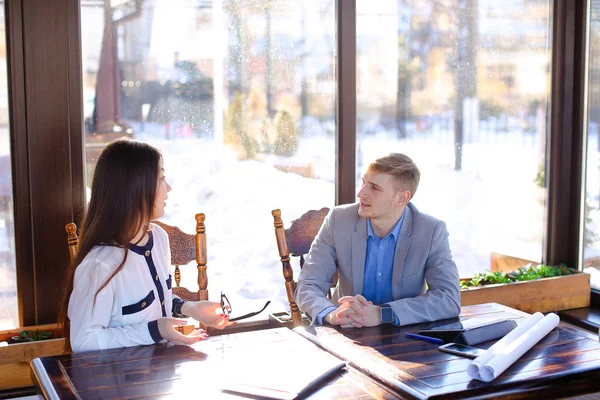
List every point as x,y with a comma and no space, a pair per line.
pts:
379,265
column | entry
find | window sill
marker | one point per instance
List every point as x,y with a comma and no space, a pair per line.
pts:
586,317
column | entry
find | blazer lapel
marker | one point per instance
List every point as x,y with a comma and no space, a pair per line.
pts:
359,254
402,246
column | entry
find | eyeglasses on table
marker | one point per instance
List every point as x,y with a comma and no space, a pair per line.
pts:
226,307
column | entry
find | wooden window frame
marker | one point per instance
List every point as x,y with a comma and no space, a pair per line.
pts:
47,143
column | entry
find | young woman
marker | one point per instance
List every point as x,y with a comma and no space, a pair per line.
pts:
118,290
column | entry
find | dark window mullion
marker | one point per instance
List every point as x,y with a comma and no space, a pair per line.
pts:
78,186
20,162
564,164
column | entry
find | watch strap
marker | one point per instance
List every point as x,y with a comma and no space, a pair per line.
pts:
386,314
177,303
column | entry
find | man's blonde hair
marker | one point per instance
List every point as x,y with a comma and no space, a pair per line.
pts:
402,168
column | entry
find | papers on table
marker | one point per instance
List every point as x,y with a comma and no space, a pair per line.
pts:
471,323
507,350
279,377
274,368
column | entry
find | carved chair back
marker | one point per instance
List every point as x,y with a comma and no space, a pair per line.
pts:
184,249
295,241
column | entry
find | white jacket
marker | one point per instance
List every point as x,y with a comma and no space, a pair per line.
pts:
126,311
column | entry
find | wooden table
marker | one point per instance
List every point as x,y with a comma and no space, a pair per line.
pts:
169,371
383,364
566,362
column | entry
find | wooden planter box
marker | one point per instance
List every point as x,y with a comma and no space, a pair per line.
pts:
14,358
544,295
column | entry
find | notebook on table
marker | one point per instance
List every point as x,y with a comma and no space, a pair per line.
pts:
471,331
284,376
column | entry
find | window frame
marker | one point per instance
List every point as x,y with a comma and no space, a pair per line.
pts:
46,131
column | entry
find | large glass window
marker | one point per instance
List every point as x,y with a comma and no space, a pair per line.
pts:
240,97
590,242
462,87
9,317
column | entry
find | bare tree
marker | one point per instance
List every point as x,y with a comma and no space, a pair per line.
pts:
414,43
465,70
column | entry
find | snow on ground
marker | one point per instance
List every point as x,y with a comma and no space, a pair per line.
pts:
492,205
237,198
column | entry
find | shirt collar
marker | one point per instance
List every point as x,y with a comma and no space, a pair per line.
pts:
395,230
141,250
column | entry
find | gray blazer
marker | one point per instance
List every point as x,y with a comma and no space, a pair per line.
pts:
422,257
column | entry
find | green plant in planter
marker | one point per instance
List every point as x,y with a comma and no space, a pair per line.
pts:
30,336
526,273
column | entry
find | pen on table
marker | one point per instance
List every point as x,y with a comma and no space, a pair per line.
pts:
423,337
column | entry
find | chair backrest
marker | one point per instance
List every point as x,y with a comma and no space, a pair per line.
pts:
295,241
184,249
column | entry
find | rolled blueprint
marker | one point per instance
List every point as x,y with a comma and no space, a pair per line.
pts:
474,368
511,353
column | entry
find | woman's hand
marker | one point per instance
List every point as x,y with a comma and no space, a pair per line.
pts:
166,328
207,312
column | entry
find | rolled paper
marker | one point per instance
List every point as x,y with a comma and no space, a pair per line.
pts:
511,353
475,366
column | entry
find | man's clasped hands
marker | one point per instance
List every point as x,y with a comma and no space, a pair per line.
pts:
354,312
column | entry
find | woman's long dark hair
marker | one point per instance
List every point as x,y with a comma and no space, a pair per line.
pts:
123,195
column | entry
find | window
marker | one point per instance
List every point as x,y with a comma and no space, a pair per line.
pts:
9,317
240,98
462,88
591,204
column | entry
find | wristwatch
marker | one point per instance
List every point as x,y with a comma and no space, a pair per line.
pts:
386,314
177,310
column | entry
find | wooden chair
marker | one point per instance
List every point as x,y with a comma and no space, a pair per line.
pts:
295,241
184,249
72,239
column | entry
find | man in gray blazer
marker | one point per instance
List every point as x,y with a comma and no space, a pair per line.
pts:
394,263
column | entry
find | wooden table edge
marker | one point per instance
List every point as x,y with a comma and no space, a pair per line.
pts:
41,371
396,387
